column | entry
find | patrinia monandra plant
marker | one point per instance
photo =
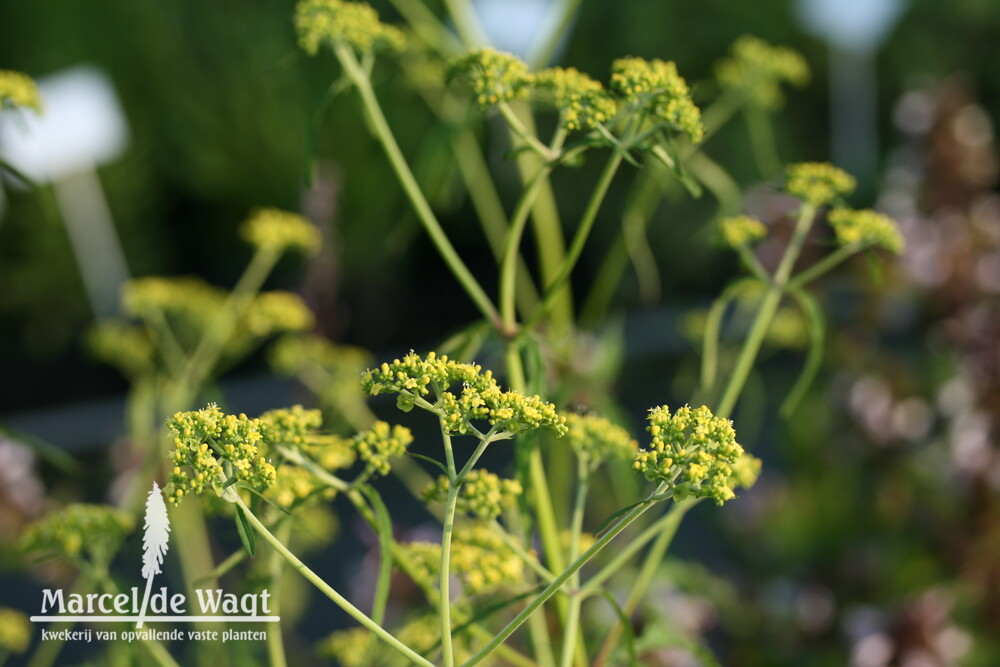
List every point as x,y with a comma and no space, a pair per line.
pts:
502,560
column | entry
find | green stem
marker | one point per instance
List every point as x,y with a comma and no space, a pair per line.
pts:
454,487
529,560
823,266
666,529
275,642
559,581
713,329
467,23
576,247
668,521
508,265
515,124
431,30
572,625
765,313
421,207
327,590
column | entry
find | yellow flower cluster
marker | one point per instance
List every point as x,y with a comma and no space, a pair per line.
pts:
481,398
278,231
581,101
757,69
190,305
380,443
496,76
746,470
658,89
79,532
741,230
480,559
692,450
330,451
19,90
598,439
483,493
293,485
207,442
332,22
292,426
15,631
123,345
357,647
818,183
866,227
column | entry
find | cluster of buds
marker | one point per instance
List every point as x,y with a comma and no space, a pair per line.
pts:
211,447
482,493
294,485
480,558
480,399
123,345
741,230
19,90
333,22
757,69
292,427
495,76
278,231
868,228
656,88
15,631
357,647
818,183
597,439
582,102
380,443
78,533
693,451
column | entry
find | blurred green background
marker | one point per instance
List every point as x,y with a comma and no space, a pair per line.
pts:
873,537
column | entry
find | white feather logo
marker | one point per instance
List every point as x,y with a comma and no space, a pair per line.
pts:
154,542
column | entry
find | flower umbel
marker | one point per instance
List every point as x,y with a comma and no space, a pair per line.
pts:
598,439
278,231
210,447
380,443
79,532
818,183
658,89
582,102
757,69
692,450
19,90
482,493
356,24
867,227
496,76
741,230
481,399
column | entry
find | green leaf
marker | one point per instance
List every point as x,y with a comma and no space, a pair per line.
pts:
245,531
437,464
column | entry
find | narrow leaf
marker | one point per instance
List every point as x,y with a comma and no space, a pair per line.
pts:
626,626
814,358
437,464
245,531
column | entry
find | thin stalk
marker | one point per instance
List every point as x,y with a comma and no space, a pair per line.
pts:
454,487
824,265
713,332
561,580
528,559
467,23
668,521
328,590
765,313
515,124
572,625
640,586
518,220
421,207
576,247
430,29
275,642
